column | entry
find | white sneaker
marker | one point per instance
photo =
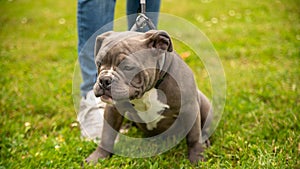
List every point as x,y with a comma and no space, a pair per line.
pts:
91,117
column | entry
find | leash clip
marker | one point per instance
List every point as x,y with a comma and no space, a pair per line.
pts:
142,20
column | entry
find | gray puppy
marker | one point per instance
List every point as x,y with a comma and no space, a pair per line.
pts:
141,75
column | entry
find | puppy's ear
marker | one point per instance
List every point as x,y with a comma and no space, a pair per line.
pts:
160,40
99,41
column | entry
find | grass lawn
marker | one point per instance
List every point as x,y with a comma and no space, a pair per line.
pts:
259,46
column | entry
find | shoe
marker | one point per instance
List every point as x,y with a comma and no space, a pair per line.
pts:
91,117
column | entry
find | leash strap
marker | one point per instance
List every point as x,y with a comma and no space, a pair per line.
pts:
143,6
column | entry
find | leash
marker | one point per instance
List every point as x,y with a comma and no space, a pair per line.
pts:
142,20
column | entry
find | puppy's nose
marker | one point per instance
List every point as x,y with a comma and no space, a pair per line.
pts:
105,82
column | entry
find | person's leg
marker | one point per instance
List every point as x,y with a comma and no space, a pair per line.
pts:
152,11
92,16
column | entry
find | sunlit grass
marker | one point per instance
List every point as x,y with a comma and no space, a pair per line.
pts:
257,41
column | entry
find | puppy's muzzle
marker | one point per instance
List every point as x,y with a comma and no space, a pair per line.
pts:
103,86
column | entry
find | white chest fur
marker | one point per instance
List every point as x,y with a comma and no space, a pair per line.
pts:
148,108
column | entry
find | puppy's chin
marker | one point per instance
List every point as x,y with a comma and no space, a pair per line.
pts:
106,99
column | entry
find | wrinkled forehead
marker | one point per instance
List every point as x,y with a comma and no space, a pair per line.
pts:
119,40
119,46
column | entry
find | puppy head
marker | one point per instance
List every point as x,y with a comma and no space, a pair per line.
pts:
127,63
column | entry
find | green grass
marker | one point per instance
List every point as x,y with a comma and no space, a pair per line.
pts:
258,43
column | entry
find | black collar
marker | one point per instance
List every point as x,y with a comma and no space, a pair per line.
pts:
160,67
160,80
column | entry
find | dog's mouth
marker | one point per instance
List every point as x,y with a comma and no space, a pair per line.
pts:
117,93
107,98
105,95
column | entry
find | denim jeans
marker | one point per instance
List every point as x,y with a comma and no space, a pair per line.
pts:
95,17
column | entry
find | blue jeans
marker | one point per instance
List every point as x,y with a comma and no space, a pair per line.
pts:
95,17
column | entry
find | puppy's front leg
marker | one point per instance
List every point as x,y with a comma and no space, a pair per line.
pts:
112,123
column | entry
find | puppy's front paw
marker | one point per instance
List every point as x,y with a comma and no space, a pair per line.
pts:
96,155
196,154
195,158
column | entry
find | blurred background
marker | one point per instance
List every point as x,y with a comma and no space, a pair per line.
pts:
258,43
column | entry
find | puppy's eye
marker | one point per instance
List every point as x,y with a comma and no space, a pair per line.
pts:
98,64
128,68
